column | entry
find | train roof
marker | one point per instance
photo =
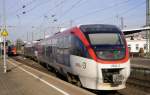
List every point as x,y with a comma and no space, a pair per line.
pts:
30,44
99,28
88,28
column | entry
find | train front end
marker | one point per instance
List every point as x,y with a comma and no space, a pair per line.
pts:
108,66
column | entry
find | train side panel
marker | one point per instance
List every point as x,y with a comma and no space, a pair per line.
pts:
86,69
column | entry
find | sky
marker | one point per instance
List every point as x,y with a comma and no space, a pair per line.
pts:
36,17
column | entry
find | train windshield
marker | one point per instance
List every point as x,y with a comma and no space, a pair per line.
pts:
105,39
108,46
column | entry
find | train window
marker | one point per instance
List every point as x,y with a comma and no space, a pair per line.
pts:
74,47
66,42
137,47
105,38
61,42
129,47
54,42
43,50
66,53
77,48
59,51
58,43
145,46
48,50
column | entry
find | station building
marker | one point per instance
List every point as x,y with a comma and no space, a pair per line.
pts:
137,42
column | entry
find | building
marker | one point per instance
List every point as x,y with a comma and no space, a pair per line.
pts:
137,42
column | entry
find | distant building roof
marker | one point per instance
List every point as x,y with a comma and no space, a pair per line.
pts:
131,31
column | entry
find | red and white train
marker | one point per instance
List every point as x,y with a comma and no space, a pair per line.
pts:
93,56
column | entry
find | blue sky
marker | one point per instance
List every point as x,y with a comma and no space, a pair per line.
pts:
47,15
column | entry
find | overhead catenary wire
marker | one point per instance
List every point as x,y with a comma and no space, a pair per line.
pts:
70,8
126,11
130,9
74,5
22,7
45,15
99,10
38,28
133,8
36,6
57,5
47,12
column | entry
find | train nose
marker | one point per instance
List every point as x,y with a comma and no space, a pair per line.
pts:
111,78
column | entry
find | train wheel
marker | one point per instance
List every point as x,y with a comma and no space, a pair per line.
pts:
56,72
78,83
38,61
48,67
69,79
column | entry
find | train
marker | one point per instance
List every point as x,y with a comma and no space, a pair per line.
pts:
93,56
29,50
11,50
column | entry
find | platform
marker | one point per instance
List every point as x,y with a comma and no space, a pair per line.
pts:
23,80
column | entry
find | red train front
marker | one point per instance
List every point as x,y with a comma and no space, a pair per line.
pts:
11,50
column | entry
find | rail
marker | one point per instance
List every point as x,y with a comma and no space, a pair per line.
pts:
140,77
140,72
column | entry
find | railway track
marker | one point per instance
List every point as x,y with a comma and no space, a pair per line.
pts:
140,78
132,82
109,93
32,64
140,84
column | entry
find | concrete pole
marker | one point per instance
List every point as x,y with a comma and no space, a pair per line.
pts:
0,39
148,24
5,65
27,37
44,34
4,38
122,22
1,49
32,34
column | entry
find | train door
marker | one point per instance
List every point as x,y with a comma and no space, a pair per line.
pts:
66,52
54,50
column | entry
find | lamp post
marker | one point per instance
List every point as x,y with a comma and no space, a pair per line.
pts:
4,34
148,24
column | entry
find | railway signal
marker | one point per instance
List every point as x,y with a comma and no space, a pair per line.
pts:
4,33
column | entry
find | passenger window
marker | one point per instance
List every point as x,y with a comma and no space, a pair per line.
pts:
78,48
137,46
48,51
